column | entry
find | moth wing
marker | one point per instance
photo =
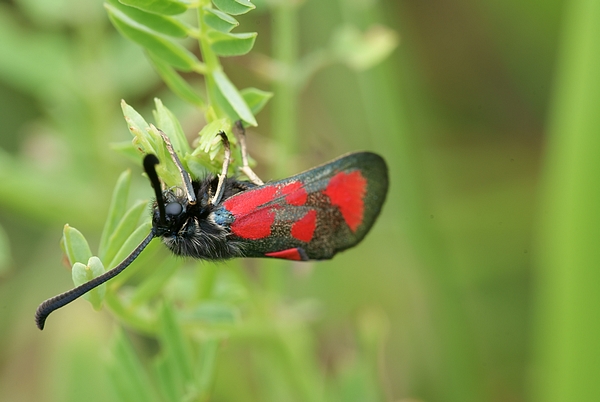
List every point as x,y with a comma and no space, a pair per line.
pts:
314,214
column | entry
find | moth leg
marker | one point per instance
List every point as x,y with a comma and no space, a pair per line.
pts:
185,177
226,159
241,135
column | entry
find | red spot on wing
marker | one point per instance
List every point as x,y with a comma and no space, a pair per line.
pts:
346,191
289,254
254,225
248,201
295,193
304,228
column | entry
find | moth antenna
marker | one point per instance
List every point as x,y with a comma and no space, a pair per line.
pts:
185,177
241,135
56,302
150,161
226,159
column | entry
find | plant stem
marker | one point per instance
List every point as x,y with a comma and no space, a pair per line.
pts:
285,102
565,343
211,60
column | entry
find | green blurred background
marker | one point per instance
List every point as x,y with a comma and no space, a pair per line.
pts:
479,281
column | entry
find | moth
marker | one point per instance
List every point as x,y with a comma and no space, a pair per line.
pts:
310,216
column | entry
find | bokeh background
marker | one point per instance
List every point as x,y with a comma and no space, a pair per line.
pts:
478,283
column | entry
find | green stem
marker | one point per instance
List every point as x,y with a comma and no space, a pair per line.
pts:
211,60
285,101
565,343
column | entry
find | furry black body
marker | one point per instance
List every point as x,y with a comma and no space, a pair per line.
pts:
199,230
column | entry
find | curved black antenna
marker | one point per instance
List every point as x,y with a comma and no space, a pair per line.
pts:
150,161
226,159
56,302
185,177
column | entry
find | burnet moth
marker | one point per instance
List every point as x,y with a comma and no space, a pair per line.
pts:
309,216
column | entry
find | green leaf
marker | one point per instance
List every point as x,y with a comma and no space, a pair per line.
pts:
149,140
143,265
75,245
132,242
234,7
139,128
219,101
209,142
169,386
228,44
219,20
131,381
166,169
233,98
174,344
167,7
116,210
134,119
153,284
81,274
162,47
178,85
256,99
159,23
84,273
207,367
168,123
124,229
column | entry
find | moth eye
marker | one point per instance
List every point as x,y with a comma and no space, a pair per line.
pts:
173,208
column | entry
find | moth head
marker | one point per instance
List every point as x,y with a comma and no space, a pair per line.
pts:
173,214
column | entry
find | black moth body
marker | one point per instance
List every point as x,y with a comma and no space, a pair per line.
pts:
191,230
